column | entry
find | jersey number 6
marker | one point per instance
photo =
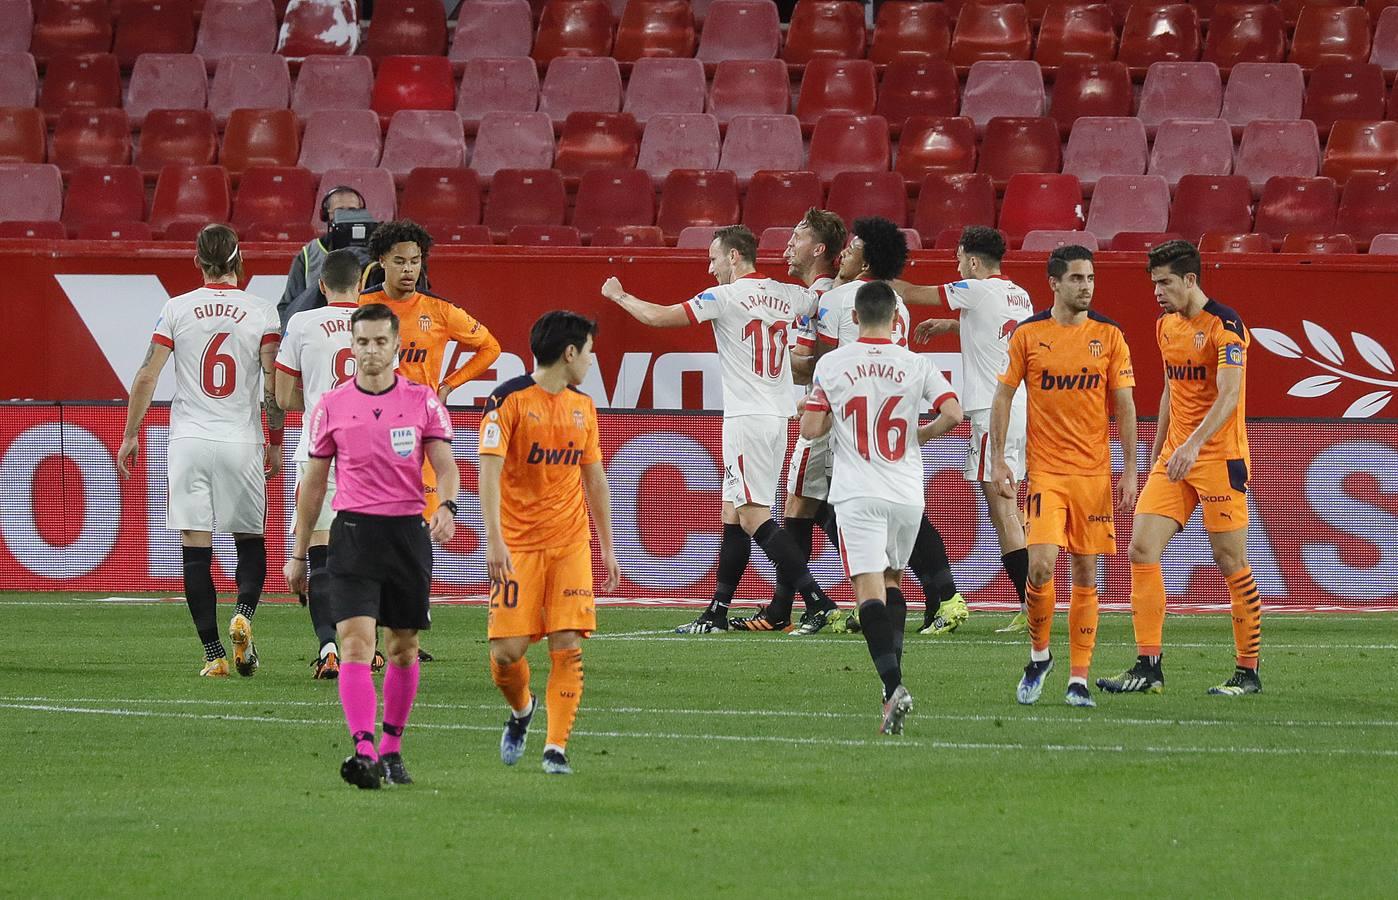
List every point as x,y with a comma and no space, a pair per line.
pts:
218,372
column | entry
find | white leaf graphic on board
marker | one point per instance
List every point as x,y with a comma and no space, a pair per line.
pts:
1277,342
1315,386
1368,405
1324,343
1373,353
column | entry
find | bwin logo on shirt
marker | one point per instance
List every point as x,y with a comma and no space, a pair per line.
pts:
569,456
1078,381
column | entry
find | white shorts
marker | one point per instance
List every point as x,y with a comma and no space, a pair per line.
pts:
977,463
753,449
327,512
876,534
216,486
808,473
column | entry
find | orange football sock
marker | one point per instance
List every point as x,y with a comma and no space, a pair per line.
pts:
1040,601
1247,616
1082,629
564,693
513,682
1148,607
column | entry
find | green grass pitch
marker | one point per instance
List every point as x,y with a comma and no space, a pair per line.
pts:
732,765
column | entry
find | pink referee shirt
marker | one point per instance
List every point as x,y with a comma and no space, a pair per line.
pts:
377,442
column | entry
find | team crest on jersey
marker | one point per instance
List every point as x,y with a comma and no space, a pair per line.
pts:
1095,348
403,440
424,323
579,419
1199,340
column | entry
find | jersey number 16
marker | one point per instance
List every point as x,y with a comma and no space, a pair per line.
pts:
889,433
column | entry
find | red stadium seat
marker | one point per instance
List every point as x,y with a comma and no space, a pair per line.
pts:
191,194
1291,9
496,85
1128,203
332,82
511,141
1011,88
699,237
848,144
419,137
68,28
249,82
298,233
413,82
102,194
910,27
740,29
23,135
679,141
1360,147
1037,202
1092,90
854,195
1318,243
450,196
1046,240
580,85
1076,34
628,235
115,231
1277,148
825,29
953,202
944,145
18,17
32,192
1330,34
1101,146
163,81
317,28
182,231
260,137
269,195
1180,91
1229,242
374,185
492,29
916,86
1192,147
1385,46
19,80
1142,241
1368,206
176,137
832,86
406,28
573,28
593,141
983,32
1386,244
655,29
544,236
1297,204
1211,203
235,28
1263,91
340,139
525,197
665,86
749,88
780,199
156,26
1344,91
1019,144
754,143
465,235
91,137
1159,33
694,197
1240,32
86,82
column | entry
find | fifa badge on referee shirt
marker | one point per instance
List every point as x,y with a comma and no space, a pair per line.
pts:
403,440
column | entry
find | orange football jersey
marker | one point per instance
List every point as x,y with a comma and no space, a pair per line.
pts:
426,324
1070,373
1193,351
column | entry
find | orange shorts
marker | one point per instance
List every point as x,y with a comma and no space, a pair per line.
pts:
1071,511
429,489
549,590
1220,485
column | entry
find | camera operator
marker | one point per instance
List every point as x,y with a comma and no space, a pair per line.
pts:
304,275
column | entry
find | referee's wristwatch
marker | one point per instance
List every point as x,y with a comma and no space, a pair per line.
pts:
450,507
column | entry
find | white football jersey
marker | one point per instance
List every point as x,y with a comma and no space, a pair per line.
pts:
751,320
876,392
316,349
803,327
835,324
990,309
216,334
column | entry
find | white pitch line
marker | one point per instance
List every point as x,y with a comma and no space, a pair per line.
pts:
716,640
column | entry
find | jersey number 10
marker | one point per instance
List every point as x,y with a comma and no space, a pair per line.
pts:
768,347
890,433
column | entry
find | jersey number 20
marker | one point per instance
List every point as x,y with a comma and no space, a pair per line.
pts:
889,433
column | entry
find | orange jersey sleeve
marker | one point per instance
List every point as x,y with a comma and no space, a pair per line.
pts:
469,334
1015,369
1194,351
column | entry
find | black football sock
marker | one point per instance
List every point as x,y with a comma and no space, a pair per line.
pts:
318,581
784,595
825,518
898,618
251,574
932,567
781,549
734,550
877,627
1017,567
202,600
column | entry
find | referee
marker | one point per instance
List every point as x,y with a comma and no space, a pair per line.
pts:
377,429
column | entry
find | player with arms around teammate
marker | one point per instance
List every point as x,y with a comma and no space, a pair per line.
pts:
316,356
376,429
751,318
870,393
988,307
540,473
224,342
1073,361
1200,457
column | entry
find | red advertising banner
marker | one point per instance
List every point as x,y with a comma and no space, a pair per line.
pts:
86,314
1324,510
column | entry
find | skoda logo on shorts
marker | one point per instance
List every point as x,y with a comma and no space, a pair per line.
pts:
404,440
